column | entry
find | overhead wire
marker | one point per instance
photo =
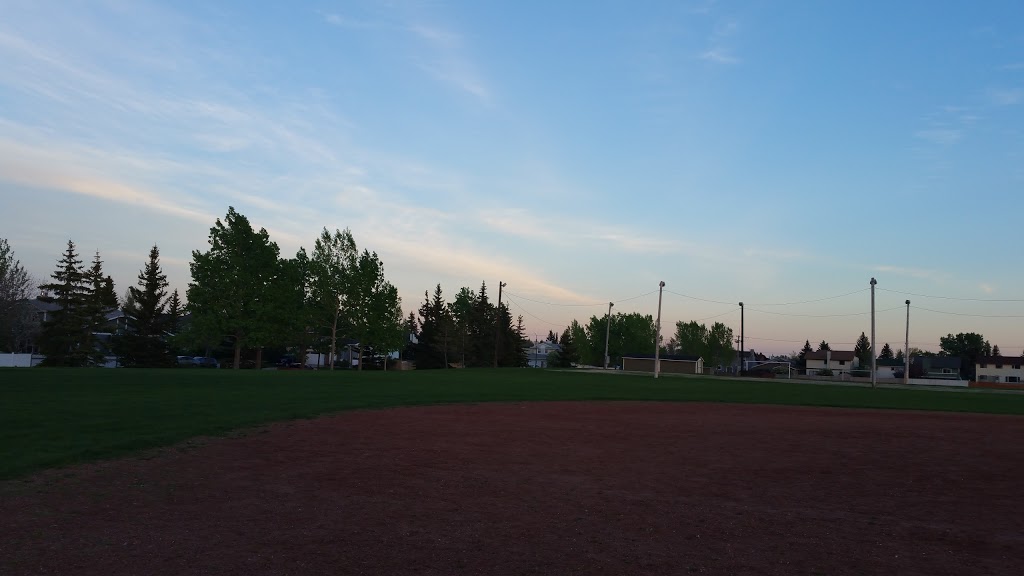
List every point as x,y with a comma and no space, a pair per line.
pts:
952,297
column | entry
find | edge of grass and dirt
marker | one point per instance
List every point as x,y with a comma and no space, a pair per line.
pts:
51,418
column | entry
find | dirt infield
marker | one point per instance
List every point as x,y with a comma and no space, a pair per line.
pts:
545,488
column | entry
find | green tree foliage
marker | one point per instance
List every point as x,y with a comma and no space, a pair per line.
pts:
461,312
587,352
231,289
886,353
144,344
15,288
822,346
899,354
376,313
967,346
802,358
995,350
174,312
631,333
432,347
713,344
66,338
863,350
567,354
332,264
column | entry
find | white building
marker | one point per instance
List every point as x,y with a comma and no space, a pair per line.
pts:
999,369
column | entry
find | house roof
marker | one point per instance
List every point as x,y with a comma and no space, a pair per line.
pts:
1011,360
837,355
663,357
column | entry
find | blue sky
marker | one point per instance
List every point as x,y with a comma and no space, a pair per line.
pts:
769,152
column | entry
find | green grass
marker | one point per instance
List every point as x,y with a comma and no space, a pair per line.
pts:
51,418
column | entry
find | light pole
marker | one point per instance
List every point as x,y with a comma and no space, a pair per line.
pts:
657,333
607,333
906,350
874,358
743,355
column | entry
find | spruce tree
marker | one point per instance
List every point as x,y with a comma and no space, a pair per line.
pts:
886,353
802,358
97,307
863,350
174,312
66,338
995,350
144,344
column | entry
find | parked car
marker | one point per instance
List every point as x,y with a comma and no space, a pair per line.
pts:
185,361
205,362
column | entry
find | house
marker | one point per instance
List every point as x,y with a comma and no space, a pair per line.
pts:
999,369
889,368
838,361
537,354
936,367
669,364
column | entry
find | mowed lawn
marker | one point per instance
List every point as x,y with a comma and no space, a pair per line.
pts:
51,417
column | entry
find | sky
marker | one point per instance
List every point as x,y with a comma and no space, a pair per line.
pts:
776,153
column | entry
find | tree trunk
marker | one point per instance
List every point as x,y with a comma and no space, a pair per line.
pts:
360,357
259,358
334,336
238,353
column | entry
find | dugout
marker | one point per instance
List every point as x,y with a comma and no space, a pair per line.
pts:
670,364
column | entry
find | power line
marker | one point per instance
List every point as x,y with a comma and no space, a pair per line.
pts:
969,315
701,299
554,303
632,297
824,315
717,315
954,298
531,314
816,299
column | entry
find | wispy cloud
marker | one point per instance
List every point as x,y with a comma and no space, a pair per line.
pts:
719,49
986,288
718,56
921,273
1006,97
945,137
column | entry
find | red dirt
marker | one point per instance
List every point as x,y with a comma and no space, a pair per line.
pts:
545,488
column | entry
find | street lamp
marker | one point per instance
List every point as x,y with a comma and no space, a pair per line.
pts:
607,332
657,333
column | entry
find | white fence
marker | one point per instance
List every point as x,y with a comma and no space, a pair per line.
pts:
20,360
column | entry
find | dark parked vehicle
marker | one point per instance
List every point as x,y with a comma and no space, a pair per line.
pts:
205,362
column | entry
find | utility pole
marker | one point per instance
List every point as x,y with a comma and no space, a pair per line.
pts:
657,333
497,325
906,350
607,333
874,356
743,354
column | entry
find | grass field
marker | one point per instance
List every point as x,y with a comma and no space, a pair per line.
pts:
52,418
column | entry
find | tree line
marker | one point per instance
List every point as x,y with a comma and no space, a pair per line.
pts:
242,293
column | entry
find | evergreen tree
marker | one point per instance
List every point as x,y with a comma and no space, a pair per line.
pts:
96,308
552,337
822,346
521,359
66,339
481,334
412,333
567,355
886,353
863,350
461,311
432,346
174,312
802,358
144,345
899,354
995,350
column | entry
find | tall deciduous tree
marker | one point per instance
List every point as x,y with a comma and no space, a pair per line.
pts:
15,288
332,265
231,282
144,344
66,339
376,308
967,346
